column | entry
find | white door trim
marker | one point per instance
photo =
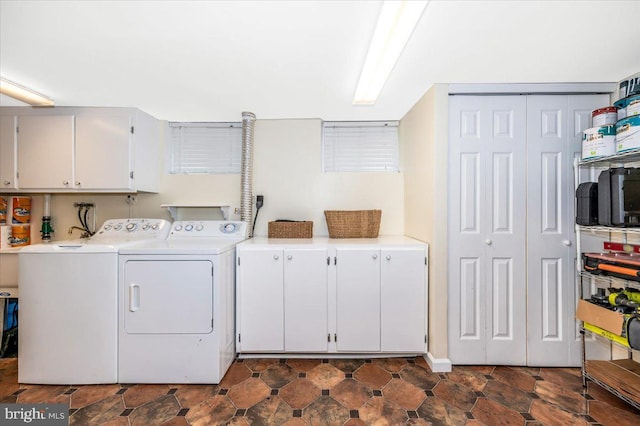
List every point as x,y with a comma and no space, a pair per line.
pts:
531,88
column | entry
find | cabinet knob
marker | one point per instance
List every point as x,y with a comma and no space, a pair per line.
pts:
375,256
289,257
488,242
6,182
276,257
567,243
65,182
77,183
388,257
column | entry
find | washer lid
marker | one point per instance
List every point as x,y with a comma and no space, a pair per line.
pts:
68,247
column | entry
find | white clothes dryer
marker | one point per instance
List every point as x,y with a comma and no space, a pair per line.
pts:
177,304
68,304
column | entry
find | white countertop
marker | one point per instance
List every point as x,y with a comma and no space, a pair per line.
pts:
381,241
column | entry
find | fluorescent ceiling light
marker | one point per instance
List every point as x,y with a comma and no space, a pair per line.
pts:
23,94
396,22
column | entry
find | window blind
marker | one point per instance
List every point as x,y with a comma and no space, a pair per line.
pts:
360,146
205,147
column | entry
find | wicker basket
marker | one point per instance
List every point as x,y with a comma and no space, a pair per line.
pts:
290,229
353,223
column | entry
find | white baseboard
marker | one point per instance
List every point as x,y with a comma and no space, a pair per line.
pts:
438,365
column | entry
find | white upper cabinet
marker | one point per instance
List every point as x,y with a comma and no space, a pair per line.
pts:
103,152
8,157
79,149
45,151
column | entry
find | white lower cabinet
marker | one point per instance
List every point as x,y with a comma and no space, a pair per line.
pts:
331,297
403,300
305,300
284,300
358,300
260,293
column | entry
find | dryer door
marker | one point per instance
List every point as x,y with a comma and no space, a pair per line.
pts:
168,296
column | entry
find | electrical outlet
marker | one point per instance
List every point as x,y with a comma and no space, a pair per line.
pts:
131,200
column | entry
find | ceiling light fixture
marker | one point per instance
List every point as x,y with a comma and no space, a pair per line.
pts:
23,94
396,22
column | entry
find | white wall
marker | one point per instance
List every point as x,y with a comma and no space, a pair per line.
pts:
287,171
423,151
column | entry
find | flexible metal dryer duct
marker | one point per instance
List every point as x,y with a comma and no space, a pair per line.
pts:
246,177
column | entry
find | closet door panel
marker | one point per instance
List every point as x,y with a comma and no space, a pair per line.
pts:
505,147
555,125
487,207
467,207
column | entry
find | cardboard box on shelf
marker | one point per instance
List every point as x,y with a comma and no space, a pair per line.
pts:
600,317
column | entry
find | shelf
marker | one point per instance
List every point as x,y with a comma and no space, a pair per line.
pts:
173,208
620,377
594,229
625,157
609,281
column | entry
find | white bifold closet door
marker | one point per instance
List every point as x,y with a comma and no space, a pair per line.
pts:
487,206
554,140
512,290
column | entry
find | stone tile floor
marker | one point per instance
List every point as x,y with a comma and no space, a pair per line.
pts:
390,391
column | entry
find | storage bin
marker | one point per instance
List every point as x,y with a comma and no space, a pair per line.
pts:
290,229
353,223
8,322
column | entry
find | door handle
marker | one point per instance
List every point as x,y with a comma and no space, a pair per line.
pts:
134,297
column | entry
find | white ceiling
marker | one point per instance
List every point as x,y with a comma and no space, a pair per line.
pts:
211,60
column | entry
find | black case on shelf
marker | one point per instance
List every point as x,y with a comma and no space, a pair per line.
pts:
587,204
633,332
619,197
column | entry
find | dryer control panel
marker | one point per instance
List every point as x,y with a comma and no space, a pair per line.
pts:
209,229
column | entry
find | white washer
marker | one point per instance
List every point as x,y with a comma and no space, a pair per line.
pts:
68,304
177,305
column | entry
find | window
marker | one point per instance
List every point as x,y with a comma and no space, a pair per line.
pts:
205,147
360,146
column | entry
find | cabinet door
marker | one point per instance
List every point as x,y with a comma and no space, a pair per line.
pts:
403,301
8,158
358,300
103,152
45,151
305,300
260,301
